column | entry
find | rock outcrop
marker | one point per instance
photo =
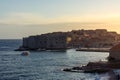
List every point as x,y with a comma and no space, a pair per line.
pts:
101,66
114,54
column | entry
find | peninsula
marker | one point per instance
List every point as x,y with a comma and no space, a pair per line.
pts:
80,39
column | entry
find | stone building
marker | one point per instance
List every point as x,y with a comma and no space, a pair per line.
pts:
25,42
56,41
30,42
99,38
50,41
42,41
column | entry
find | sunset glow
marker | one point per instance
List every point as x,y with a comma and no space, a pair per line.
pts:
38,16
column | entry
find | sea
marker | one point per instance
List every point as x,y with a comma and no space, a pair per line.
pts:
45,65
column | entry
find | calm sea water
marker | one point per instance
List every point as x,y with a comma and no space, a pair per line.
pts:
44,65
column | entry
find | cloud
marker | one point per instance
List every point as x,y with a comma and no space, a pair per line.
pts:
32,18
22,18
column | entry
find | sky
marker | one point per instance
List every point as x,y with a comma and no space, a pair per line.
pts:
21,18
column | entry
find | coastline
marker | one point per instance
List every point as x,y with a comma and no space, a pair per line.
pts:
94,49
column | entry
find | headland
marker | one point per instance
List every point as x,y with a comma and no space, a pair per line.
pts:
99,40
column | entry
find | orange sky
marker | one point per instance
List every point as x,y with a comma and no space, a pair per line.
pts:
20,18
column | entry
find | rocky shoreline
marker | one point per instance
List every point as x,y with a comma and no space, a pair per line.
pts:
94,49
95,67
98,67
109,66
